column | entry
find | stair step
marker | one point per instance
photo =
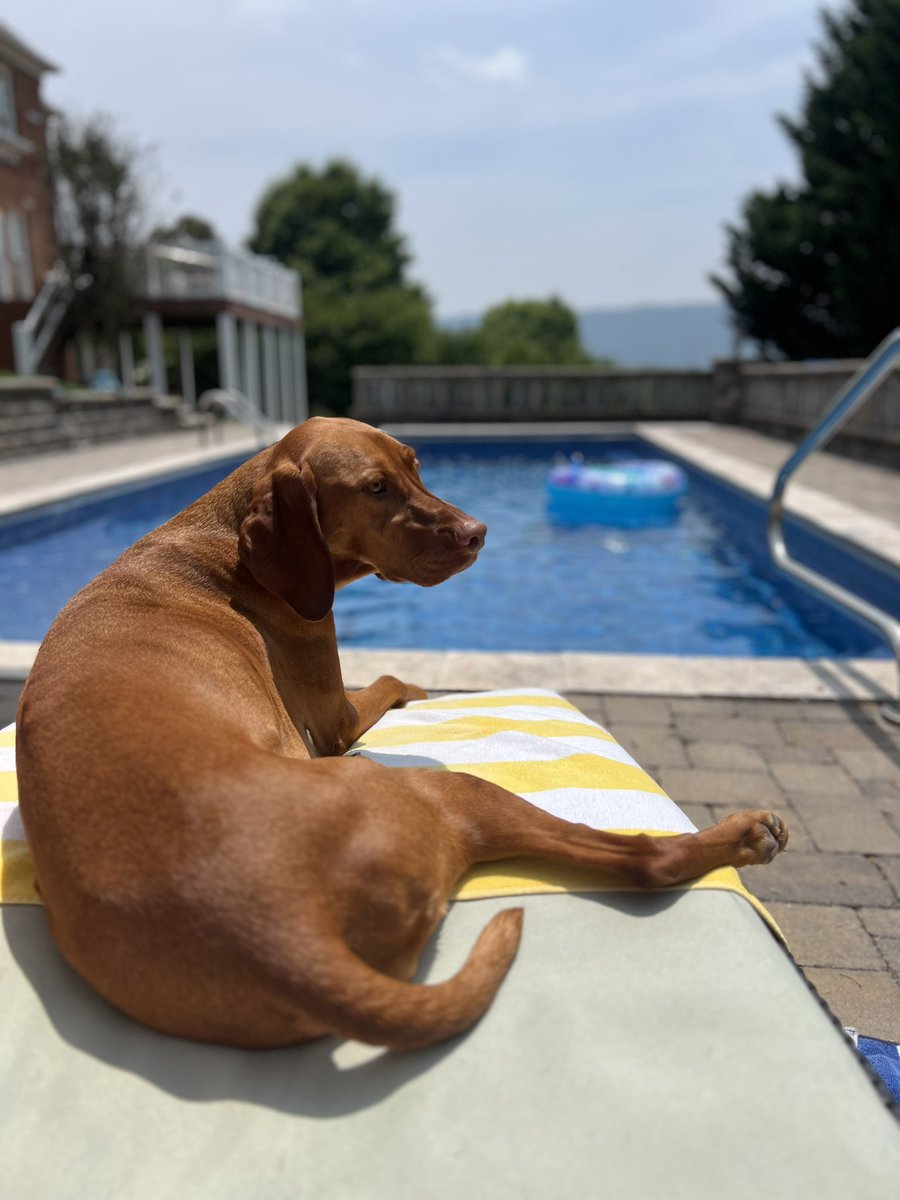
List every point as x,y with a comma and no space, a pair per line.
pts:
32,426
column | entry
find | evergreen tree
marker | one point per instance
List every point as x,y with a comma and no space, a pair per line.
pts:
815,269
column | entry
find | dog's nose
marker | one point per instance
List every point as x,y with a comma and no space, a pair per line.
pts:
470,534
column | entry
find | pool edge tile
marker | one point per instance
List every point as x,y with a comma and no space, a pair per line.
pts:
623,674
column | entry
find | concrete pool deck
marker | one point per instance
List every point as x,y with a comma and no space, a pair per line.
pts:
804,738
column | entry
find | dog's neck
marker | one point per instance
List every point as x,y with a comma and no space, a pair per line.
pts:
348,570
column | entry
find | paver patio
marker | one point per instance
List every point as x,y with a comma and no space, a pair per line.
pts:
835,892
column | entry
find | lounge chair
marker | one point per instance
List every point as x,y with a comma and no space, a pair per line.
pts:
642,1046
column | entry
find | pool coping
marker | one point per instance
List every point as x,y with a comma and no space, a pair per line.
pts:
47,495
876,535
627,674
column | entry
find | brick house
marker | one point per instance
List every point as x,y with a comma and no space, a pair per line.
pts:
27,239
254,305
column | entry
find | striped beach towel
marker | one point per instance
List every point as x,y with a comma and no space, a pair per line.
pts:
534,743
16,867
537,744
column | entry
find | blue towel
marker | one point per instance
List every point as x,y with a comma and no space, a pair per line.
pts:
884,1059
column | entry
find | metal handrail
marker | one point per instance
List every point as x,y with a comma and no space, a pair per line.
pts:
239,406
874,371
34,333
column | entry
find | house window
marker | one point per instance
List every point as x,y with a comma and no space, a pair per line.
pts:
7,101
20,256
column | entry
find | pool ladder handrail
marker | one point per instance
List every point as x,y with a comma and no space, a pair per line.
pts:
241,408
855,392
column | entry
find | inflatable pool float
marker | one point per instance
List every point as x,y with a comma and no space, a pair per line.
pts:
631,493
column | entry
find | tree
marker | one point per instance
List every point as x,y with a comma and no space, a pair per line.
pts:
815,269
337,229
457,347
516,333
345,329
188,226
531,333
99,223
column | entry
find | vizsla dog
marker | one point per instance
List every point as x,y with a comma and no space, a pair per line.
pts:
209,861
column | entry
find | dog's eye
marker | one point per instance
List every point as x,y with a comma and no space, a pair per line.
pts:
376,487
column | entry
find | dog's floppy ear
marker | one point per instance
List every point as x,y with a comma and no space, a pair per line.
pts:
281,542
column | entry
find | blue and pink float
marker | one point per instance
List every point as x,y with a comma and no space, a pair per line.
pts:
625,494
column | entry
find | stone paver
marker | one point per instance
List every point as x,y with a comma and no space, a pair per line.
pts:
591,705
699,706
814,779
890,950
820,755
9,700
837,824
700,814
751,789
808,877
653,746
869,764
745,731
867,1000
890,867
885,792
725,756
823,935
830,734
883,922
637,710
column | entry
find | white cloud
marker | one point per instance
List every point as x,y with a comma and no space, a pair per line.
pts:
506,65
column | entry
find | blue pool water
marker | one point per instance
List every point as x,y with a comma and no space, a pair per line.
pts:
702,585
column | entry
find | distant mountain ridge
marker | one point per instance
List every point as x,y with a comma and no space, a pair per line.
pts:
658,335
677,336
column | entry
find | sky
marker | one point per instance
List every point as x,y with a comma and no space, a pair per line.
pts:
592,149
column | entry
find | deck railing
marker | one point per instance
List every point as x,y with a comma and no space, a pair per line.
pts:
194,270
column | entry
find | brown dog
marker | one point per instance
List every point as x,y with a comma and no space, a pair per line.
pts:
200,869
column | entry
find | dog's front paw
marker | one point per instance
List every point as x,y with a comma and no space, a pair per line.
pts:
764,835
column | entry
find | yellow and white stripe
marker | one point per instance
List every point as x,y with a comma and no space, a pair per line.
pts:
533,743
17,884
540,746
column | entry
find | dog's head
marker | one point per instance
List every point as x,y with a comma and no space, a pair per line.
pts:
341,500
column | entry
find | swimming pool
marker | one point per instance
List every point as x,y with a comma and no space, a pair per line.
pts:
701,586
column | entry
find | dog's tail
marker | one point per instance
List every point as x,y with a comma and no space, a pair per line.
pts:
357,1001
